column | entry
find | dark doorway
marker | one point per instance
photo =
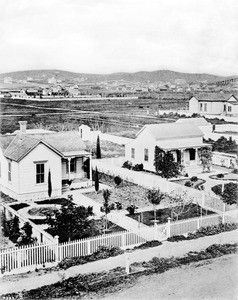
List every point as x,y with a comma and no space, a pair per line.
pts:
192,154
178,152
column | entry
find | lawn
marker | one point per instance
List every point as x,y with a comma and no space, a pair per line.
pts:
126,195
42,211
162,215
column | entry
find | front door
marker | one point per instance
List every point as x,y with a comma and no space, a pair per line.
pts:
192,154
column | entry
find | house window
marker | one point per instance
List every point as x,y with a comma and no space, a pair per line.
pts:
40,173
200,106
224,107
205,106
146,154
132,152
9,171
229,108
72,166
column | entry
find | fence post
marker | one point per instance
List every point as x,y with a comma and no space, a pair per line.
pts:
168,228
198,223
223,218
122,240
89,248
223,207
56,242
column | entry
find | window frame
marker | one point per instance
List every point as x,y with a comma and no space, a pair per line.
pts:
146,154
40,175
73,166
200,106
133,152
9,171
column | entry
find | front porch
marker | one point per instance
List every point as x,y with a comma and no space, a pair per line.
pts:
76,172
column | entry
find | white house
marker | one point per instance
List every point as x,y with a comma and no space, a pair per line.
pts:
183,140
214,104
26,157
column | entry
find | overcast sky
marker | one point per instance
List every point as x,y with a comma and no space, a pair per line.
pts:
105,36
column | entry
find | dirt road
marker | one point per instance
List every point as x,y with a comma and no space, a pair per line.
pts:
213,279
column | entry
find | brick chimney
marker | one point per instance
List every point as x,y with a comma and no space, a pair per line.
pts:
22,128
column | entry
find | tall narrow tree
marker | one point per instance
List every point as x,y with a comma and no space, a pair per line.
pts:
98,149
49,184
96,180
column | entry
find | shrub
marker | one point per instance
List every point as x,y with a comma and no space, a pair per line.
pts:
217,189
194,178
235,171
148,245
138,167
188,183
186,175
229,195
118,205
117,180
131,209
220,176
127,164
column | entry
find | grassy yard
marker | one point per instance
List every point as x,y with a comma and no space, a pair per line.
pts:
162,215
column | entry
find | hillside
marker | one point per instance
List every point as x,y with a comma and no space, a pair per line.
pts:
162,75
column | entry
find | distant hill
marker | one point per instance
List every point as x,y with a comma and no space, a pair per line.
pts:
154,76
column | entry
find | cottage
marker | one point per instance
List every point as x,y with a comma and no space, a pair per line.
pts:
183,140
27,158
214,104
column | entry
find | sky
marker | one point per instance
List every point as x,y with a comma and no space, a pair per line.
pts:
106,36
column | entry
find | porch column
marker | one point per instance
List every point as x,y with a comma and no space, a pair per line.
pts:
90,167
182,156
69,159
196,156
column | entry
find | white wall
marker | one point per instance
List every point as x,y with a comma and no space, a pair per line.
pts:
193,105
224,159
27,171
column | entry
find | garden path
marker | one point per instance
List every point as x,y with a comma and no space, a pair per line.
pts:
11,284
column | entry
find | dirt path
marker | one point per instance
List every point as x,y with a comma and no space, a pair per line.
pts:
32,280
213,279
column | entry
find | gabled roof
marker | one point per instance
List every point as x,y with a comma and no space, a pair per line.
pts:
213,97
170,131
16,147
196,121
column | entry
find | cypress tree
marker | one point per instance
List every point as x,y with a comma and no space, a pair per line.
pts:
98,149
49,184
96,180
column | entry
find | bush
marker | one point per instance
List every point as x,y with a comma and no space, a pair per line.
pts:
188,183
118,205
235,171
186,175
127,164
220,176
117,180
217,189
194,178
229,195
138,167
149,244
131,209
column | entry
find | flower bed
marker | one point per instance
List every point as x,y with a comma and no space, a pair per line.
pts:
205,231
190,211
61,201
226,176
42,211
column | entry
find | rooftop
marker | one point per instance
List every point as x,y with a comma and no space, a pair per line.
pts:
196,121
170,131
213,97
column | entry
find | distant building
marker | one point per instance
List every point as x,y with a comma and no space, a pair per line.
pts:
214,104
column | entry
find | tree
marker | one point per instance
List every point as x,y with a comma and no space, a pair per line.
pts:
96,180
26,235
49,184
155,197
165,165
71,222
179,204
98,149
205,155
229,195
106,206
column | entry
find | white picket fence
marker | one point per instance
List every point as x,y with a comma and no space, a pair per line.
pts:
25,258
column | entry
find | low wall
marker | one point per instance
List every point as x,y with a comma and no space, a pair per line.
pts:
224,159
41,235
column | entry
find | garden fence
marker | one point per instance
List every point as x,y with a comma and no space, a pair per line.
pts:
25,258
150,181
